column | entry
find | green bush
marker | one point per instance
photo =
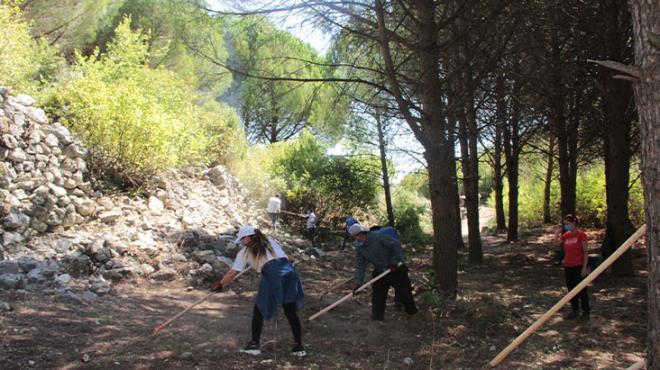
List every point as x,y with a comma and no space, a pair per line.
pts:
139,120
591,203
27,65
409,210
305,176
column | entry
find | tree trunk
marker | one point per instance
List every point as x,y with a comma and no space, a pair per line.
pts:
646,26
471,189
617,97
547,216
383,166
512,153
436,136
498,176
558,122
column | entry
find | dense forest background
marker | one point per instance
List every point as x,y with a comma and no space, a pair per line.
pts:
510,111
526,107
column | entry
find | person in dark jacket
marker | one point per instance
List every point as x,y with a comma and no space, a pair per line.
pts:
279,285
383,252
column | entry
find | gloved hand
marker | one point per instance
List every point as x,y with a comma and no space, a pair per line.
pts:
217,287
355,288
394,267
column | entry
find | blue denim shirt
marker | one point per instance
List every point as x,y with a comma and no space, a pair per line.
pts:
381,250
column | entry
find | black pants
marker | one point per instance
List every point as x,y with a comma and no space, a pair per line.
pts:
573,278
310,233
291,315
400,281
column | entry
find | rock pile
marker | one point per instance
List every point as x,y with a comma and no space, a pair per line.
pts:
42,174
62,237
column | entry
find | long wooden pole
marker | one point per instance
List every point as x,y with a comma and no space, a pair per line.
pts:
162,326
349,295
638,365
587,280
334,287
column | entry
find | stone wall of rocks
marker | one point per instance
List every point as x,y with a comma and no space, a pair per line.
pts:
62,237
42,175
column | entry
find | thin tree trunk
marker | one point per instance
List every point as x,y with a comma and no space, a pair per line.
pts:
383,167
512,165
498,178
547,217
646,26
469,161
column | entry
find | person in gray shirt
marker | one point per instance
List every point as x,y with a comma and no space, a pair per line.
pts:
383,252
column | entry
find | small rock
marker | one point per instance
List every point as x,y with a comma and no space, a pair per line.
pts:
85,357
63,280
4,306
408,361
109,216
89,297
164,274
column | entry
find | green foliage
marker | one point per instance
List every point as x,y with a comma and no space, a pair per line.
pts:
331,184
139,120
409,211
591,203
307,177
72,24
277,110
27,66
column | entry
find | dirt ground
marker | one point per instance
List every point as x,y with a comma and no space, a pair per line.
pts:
497,300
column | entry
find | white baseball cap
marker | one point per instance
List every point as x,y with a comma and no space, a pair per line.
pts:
244,231
356,229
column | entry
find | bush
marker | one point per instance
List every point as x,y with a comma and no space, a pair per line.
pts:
27,66
591,203
135,119
307,177
409,209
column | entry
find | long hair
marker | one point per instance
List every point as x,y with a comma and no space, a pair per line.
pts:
259,245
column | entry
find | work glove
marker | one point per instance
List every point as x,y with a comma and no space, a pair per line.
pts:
217,287
394,267
355,288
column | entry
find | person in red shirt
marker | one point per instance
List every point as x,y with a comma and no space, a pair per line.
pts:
574,243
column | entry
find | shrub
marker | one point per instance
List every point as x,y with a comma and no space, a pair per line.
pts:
135,119
27,65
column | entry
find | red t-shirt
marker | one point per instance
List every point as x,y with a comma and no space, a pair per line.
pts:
573,253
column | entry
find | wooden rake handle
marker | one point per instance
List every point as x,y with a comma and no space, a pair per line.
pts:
350,295
588,279
162,326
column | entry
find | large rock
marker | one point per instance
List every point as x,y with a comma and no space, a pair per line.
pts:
62,133
25,100
9,267
77,264
16,221
11,281
164,274
156,206
217,175
108,217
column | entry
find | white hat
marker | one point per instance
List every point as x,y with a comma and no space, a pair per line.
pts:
356,229
244,231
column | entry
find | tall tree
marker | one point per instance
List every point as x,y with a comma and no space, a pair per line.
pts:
617,116
646,86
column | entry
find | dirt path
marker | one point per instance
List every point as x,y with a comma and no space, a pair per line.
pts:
497,301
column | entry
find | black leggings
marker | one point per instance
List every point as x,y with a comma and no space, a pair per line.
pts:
291,315
573,278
